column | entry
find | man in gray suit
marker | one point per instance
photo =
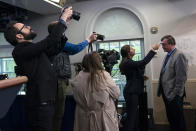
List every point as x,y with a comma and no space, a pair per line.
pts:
172,81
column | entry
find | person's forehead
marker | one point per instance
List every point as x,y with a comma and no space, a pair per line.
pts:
132,49
164,41
18,25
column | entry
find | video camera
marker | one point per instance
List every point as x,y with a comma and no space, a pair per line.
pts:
109,58
75,15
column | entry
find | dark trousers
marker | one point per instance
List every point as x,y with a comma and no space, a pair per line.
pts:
175,115
40,118
132,109
59,104
143,112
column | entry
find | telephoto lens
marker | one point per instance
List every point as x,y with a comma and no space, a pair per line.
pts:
100,37
76,15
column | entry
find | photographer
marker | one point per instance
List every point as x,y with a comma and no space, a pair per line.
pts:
33,61
63,71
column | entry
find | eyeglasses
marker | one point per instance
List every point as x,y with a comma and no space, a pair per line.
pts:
22,28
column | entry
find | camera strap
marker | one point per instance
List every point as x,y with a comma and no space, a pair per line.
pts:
90,47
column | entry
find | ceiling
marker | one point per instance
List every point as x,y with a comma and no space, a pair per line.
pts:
43,7
19,9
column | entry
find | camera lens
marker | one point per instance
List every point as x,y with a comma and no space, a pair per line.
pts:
76,15
100,37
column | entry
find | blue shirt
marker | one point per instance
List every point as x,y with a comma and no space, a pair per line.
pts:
166,59
73,49
62,21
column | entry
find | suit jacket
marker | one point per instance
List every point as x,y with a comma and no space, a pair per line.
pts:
33,60
173,78
134,72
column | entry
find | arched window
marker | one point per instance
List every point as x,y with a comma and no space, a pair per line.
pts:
120,27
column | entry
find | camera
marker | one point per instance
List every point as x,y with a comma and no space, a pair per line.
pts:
109,58
75,14
99,36
3,76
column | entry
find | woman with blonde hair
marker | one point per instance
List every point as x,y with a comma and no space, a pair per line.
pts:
94,92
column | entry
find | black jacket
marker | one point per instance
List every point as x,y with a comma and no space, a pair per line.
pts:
134,72
33,60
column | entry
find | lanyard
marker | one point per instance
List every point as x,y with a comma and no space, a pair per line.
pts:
90,47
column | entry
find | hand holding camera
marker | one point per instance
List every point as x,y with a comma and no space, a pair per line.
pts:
99,36
75,15
92,37
66,14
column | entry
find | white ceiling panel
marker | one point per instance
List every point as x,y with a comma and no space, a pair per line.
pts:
43,7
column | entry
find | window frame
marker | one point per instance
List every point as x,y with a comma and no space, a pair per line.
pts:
2,66
122,79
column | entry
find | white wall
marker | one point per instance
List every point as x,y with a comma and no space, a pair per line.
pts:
175,17
170,18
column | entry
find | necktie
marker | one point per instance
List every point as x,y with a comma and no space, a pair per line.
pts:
165,62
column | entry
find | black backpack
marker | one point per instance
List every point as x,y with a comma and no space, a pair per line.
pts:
62,65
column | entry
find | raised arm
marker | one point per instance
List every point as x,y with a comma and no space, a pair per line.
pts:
146,60
73,49
31,50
